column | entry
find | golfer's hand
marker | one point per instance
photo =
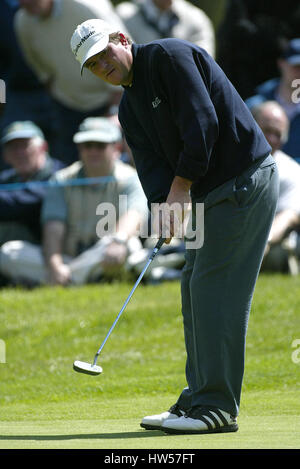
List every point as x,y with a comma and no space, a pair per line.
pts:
176,208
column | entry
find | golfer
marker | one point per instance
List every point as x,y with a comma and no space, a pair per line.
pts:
192,137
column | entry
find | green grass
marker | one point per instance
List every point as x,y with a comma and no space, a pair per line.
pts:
44,404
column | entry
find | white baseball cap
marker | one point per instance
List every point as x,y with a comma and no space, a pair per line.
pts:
97,129
21,129
90,38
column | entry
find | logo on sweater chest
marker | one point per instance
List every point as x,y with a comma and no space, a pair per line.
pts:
156,102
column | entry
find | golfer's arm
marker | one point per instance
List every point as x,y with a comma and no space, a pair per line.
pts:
53,236
181,184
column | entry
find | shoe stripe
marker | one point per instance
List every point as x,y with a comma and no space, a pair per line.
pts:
220,423
214,420
215,416
221,416
206,421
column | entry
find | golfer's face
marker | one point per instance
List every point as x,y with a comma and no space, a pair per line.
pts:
112,65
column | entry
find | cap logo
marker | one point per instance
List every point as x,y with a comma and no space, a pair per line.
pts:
83,39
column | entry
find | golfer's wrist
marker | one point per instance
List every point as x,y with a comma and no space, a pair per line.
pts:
182,183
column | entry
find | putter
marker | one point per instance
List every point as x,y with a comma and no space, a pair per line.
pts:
94,369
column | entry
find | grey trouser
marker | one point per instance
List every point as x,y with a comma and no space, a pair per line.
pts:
218,284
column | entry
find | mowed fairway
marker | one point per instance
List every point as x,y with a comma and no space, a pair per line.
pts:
45,404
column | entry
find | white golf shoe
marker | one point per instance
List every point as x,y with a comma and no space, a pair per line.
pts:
201,419
155,422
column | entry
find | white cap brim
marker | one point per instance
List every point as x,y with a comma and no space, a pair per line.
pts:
94,136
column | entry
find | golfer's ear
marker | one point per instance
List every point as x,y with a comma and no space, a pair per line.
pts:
123,39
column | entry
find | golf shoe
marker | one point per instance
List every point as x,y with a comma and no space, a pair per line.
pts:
201,419
154,422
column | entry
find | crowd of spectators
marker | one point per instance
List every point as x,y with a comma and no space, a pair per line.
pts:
62,153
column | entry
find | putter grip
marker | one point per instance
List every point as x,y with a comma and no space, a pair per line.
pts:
159,243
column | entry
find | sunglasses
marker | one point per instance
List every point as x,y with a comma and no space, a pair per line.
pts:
98,145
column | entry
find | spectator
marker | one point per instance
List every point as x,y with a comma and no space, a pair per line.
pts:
72,251
147,20
42,27
274,123
249,40
26,97
283,90
25,151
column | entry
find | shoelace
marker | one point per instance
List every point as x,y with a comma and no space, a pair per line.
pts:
175,409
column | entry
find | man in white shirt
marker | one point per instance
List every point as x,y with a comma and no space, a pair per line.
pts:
280,253
42,27
147,20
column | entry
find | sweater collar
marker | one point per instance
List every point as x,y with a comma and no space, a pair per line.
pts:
134,50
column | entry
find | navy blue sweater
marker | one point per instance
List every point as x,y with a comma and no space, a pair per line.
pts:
182,116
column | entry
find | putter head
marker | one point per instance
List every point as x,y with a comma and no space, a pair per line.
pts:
87,368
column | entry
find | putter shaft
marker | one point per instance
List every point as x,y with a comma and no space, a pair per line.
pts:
153,254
